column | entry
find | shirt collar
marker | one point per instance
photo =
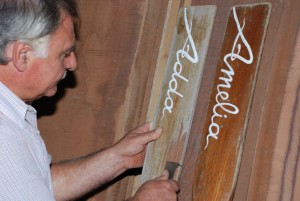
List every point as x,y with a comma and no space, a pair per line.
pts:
12,106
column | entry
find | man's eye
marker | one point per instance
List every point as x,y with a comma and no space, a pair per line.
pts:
67,54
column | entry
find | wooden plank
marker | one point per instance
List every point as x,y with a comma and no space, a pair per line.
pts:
254,178
179,90
265,154
285,171
133,111
224,131
162,59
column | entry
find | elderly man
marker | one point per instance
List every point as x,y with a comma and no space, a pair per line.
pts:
37,43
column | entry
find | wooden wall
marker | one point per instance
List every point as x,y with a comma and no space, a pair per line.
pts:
119,48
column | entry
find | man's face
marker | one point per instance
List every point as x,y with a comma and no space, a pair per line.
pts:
45,73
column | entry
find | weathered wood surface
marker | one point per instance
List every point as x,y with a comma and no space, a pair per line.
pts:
169,24
179,91
223,138
134,109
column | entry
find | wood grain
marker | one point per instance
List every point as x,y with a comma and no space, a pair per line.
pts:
121,47
169,24
179,90
277,78
285,171
134,109
230,103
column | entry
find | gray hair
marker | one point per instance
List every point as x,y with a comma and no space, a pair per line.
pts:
31,21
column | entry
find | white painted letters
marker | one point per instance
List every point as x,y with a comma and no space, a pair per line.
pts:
222,96
177,68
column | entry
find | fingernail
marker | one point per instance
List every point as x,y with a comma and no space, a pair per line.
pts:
158,130
165,173
151,125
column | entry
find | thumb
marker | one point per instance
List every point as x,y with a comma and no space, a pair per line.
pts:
164,176
173,183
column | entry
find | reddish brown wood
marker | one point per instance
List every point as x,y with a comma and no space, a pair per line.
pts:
255,172
230,103
285,175
133,111
284,43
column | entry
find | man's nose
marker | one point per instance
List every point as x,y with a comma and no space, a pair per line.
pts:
71,62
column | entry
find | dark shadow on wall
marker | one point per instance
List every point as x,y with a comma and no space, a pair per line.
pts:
46,106
131,172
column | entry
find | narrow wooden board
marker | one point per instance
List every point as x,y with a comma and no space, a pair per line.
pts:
221,147
168,27
179,89
134,109
285,171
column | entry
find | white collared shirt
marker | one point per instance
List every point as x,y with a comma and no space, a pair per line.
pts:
24,160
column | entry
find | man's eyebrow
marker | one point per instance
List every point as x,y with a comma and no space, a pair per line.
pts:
70,49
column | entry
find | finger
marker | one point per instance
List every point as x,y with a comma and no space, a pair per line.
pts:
165,173
143,128
151,136
175,185
164,176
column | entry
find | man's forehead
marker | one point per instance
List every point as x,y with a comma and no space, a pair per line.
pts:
65,32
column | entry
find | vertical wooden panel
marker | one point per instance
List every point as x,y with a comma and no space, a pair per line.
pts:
285,169
261,181
230,103
177,94
168,26
134,110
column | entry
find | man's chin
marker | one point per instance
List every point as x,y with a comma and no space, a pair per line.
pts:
51,92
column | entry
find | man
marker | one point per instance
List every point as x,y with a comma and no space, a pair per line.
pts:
37,44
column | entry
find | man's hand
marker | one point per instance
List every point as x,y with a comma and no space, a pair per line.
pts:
75,178
159,189
132,147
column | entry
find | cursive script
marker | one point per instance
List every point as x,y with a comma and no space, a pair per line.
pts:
222,95
177,67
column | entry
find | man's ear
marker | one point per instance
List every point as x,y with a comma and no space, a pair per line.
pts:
20,55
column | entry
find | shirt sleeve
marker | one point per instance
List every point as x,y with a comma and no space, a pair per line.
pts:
20,177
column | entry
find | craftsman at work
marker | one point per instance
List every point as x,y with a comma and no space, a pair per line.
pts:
37,44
